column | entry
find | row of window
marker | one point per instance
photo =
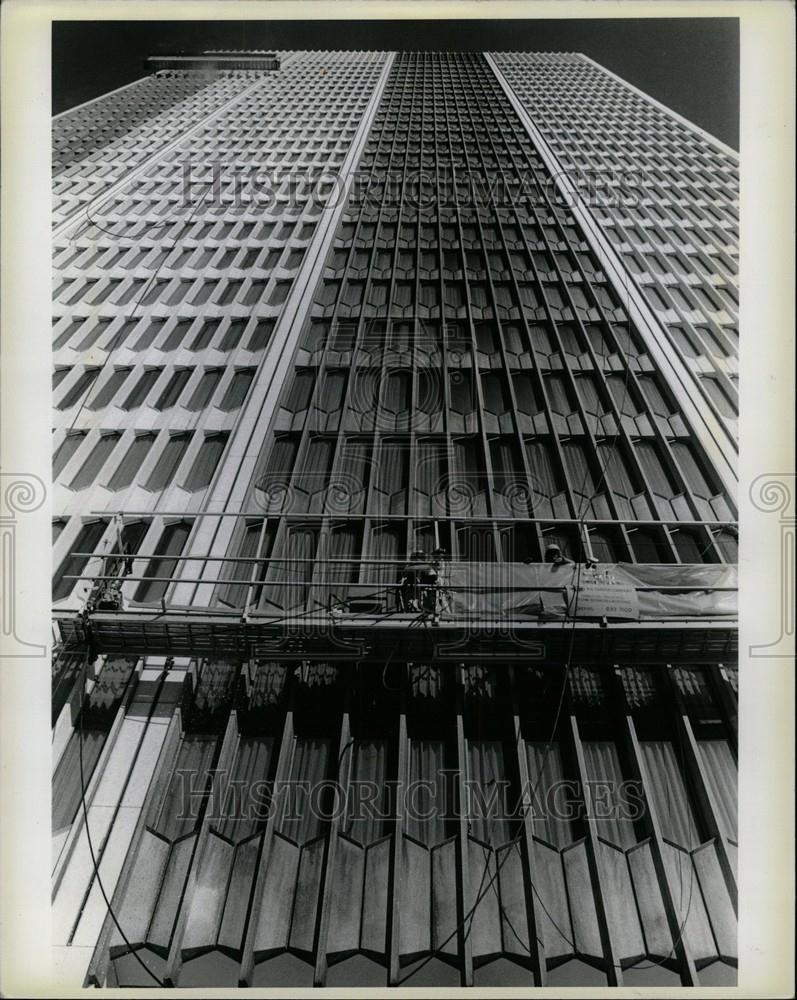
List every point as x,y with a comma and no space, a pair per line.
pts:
185,257
169,455
140,391
531,476
174,291
275,568
157,333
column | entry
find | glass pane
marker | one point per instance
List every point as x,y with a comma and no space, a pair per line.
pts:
73,565
171,544
132,462
171,457
95,461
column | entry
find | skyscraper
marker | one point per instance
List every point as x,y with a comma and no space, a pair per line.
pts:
395,551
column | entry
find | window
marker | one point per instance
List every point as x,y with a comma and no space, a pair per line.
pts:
147,338
132,462
79,389
546,774
88,538
171,544
687,460
205,462
654,396
235,594
261,335
174,388
237,389
105,393
668,793
653,468
204,390
205,335
130,537
94,335
229,292
170,458
232,337
719,397
728,544
142,388
602,763
66,450
177,335
66,334
722,776
95,461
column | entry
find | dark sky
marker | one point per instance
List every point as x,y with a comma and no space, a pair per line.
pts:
689,64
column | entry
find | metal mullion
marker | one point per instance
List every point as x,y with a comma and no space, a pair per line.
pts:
394,915
340,437
161,774
599,371
533,909
465,946
625,535
374,434
534,352
712,543
324,360
379,433
488,466
414,362
441,290
668,529
506,369
326,889
563,285
444,340
510,383
686,489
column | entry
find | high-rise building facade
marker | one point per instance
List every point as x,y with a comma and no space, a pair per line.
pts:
394,541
